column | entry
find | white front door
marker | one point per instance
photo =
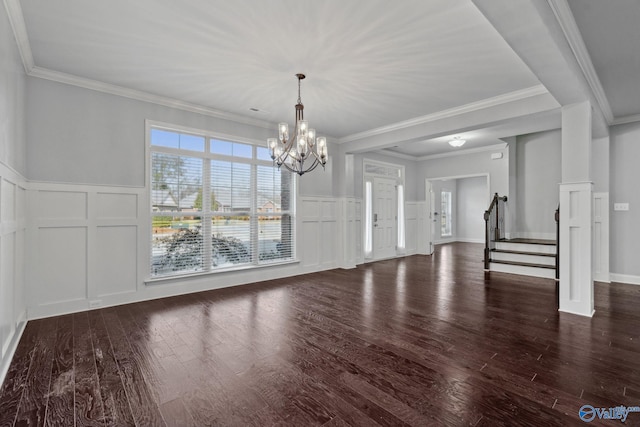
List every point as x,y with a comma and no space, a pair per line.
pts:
384,218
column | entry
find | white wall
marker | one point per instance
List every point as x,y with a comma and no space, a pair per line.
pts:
463,164
538,172
82,136
600,164
88,208
625,225
12,193
471,204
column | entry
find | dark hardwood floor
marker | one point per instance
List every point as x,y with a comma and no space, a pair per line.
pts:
416,341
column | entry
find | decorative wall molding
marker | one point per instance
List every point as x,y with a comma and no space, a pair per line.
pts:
565,18
56,76
601,237
626,119
450,113
104,234
13,224
16,19
625,278
576,276
464,152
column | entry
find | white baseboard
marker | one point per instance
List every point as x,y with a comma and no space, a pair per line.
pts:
469,240
456,239
625,278
442,242
602,277
11,350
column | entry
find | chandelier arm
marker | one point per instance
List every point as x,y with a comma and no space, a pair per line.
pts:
288,146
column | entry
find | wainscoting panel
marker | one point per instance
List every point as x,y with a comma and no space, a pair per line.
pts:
329,243
87,246
357,242
115,270
91,249
601,237
411,227
62,205
61,261
8,205
116,206
319,233
12,261
7,255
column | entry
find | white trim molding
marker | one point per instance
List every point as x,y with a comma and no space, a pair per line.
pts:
70,79
624,278
516,95
16,19
567,22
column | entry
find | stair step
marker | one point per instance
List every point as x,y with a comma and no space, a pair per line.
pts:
524,264
525,257
529,241
523,270
525,245
506,251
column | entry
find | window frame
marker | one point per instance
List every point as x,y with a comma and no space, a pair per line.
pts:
446,213
205,215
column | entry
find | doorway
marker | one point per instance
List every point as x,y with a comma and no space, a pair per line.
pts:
384,217
455,207
383,210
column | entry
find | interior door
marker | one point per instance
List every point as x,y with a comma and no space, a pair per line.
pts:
430,217
384,218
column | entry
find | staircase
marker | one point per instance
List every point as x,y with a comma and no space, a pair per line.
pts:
529,257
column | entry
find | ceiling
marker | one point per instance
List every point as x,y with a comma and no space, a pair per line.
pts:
371,67
611,34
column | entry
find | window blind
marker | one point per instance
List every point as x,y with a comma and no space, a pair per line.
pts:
216,204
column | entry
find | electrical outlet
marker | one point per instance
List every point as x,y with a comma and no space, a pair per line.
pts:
621,206
95,303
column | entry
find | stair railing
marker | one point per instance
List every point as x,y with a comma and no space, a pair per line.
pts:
557,217
494,226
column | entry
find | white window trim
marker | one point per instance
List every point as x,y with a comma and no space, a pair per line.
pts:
152,124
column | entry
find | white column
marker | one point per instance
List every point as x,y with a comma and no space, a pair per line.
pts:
576,190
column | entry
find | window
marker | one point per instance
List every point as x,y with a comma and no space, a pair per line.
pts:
445,219
368,220
216,204
400,216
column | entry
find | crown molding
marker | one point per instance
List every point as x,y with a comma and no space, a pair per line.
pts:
452,112
16,20
626,119
493,147
567,22
70,79
387,152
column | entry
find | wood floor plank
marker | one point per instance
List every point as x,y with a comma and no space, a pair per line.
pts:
61,404
89,410
33,404
115,404
143,407
15,380
421,340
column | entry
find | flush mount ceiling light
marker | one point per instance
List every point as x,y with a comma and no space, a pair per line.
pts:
302,152
457,142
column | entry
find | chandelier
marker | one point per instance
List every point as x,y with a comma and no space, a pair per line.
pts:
302,152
